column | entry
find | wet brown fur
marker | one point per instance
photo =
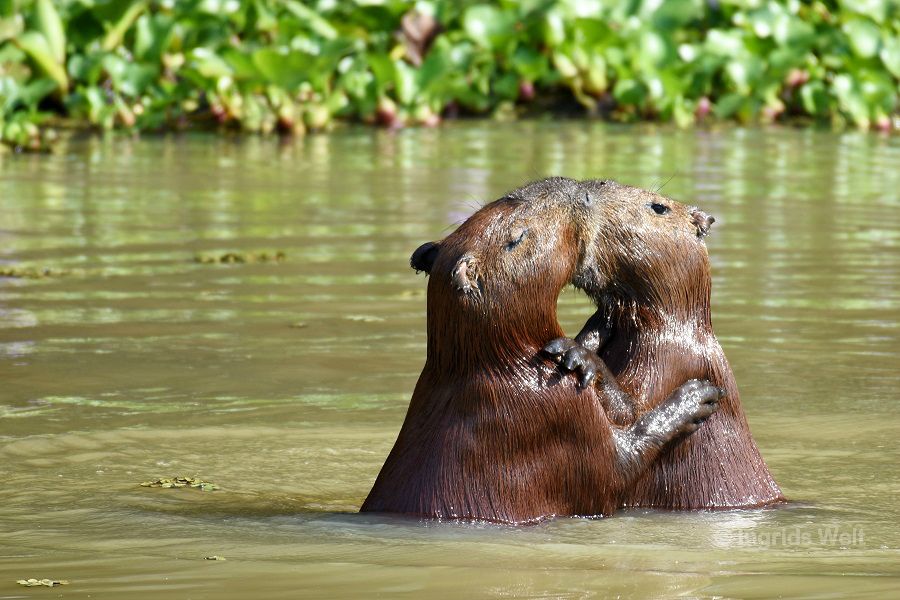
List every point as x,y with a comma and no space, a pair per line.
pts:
650,275
493,430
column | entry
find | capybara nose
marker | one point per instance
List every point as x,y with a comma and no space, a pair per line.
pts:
702,221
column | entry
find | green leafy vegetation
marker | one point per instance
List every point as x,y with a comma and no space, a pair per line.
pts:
293,66
42,582
181,482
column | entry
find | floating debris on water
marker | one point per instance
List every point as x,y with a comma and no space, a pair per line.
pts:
30,272
241,257
299,325
364,318
44,582
214,557
180,482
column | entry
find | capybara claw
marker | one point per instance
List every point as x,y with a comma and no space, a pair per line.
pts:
587,375
691,405
558,347
575,358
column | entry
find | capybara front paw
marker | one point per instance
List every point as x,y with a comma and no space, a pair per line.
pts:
692,403
573,357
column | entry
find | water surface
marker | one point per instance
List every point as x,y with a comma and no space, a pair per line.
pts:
286,383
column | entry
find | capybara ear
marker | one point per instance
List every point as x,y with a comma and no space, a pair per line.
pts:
702,221
424,256
465,275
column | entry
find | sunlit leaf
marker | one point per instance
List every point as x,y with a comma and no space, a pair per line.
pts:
890,55
873,9
864,37
312,19
851,100
152,36
51,27
794,33
488,26
115,33
11,26
284,68
208,63
36,47
724,43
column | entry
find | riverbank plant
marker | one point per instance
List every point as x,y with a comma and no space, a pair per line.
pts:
293,66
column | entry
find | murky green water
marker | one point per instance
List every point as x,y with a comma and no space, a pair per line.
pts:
286,383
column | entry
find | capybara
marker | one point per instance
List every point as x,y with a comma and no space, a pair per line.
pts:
494,430
646,266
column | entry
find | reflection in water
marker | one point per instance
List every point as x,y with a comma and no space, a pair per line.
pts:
286,383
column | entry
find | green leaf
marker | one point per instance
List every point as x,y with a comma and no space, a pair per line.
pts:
152,36
554,28
879,90
745,73
114,35
629,92
725,43
851,100
674,13
99,111
682,112
208,63
287,69
85,68
564,65
488,26
864,37
762,20
890,55
793,32
312,19
241,64
529,63
9,93
655,51
432,77
406,85
51,26
506,87
36,47
36,91
383,69
595,81
815,99
874,9
11,26
728,105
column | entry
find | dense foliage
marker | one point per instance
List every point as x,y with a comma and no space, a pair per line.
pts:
291,65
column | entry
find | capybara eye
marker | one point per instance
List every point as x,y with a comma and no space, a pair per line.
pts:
516,238
659,209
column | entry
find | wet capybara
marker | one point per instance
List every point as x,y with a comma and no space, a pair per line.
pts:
646,266
494,431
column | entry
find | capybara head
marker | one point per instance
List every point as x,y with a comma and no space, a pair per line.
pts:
508,262
502,270
643,248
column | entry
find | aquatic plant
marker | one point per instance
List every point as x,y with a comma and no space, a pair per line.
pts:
292,66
